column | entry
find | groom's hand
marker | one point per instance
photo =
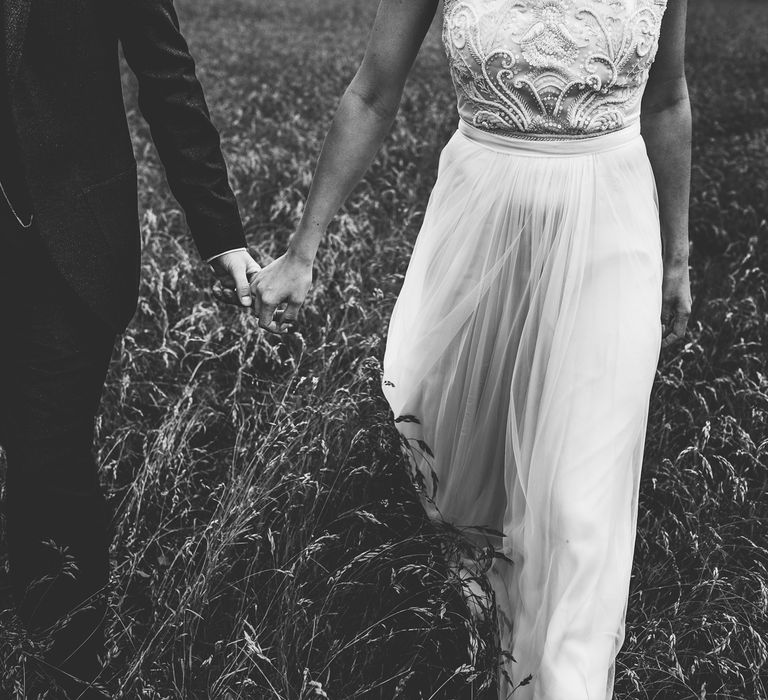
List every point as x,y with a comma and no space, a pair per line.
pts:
233,271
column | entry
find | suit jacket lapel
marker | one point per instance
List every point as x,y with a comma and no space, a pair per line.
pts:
15,14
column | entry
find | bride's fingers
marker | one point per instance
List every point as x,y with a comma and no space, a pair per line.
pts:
255,303
681,323
289,317
674,329
275,322
669,338
666,319
266,312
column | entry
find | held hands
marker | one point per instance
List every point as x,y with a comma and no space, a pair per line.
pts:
676,301
285,281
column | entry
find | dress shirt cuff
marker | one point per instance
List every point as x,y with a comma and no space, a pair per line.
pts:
224,252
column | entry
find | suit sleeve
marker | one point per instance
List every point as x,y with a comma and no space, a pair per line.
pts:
172,102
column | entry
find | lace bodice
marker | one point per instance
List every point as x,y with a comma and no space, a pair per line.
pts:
551,67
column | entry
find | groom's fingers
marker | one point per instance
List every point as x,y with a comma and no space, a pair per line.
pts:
252,270
223,294
243,287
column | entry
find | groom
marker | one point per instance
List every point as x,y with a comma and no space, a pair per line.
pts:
69,270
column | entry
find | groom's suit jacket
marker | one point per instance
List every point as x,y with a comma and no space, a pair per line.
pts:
62,88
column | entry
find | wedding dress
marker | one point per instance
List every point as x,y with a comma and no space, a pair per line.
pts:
523,345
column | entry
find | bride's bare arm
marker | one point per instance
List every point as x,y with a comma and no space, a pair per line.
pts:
363,119
666,126
365,114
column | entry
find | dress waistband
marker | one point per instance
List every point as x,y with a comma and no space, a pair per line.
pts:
544,145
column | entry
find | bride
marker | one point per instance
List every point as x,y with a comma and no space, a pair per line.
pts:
551,265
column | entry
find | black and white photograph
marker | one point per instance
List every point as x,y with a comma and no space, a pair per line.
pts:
383,349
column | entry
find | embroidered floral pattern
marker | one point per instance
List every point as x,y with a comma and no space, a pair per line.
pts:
551,67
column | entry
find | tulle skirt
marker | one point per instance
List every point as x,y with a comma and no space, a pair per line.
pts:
519,364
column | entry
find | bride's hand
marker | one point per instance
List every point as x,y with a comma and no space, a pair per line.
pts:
284,281
676,302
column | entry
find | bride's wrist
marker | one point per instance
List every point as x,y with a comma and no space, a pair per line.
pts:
676,258
300,254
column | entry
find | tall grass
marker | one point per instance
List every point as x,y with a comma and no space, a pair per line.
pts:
267,540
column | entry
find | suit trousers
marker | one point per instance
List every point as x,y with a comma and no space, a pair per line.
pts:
54,356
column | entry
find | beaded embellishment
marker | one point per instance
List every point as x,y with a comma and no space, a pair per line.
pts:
559,67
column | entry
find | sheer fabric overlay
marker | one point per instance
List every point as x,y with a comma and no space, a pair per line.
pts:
519,362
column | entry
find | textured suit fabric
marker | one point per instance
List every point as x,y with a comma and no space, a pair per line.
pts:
54,356
64,91
11,172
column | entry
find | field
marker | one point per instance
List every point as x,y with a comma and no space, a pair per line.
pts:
267,541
